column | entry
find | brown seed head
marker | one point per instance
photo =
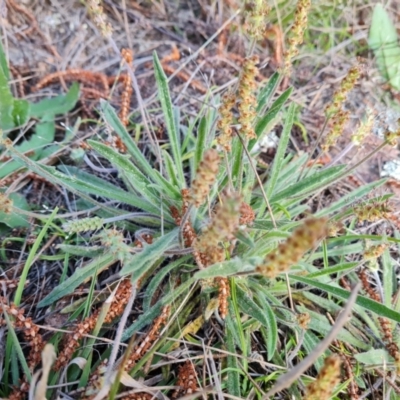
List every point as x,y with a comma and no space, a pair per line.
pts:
223,225
327,379
205,177
292,250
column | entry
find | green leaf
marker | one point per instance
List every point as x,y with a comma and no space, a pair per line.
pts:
139,182
58,105
12,339
44,135
233,382
111,117
169,115
351,198
264,315
80,275
271,114
373,357
87,183
383,41
20,112
31,257
280,152
272,327
226,268
6,100
267,91
309,184
200,143
4,64
364,302
16,219
155,283
142,261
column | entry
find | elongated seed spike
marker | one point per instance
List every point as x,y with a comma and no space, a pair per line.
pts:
288,253
205,177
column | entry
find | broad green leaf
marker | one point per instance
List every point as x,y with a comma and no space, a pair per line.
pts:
43,135
16,219
383,40
364,302
142,261
226,268
169,115
373,357
20,111
79,276
280,152
320,324
60,104
6,100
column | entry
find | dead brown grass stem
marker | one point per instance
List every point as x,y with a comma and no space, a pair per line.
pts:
287,379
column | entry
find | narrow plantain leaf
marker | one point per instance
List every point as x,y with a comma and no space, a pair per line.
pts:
264,315
169,115
155,283
233,382
364,302
280,152
149,255
138,180
267,91
87,183
351,198
200,143
111,117
270,115
309,184
272,327
80,275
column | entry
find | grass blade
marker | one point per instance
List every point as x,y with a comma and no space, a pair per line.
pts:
32,253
